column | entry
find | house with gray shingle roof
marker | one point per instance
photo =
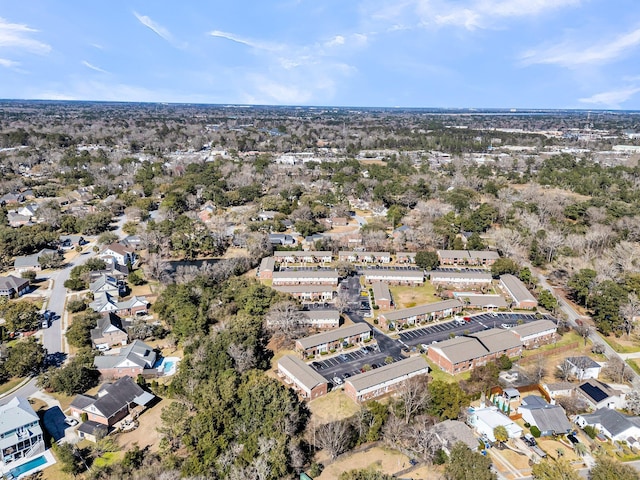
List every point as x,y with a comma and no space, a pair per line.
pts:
113,403
132,360
613,424
550,419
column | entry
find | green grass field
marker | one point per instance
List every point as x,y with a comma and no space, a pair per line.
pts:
407,296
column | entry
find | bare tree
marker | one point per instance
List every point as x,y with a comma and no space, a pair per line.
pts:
584,331
286,319
537,370
618,371
334,437
395,432
414,396
243,357
633,401
423,437
155,267
630,311
565,370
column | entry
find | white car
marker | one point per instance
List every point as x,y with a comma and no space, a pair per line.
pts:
337,380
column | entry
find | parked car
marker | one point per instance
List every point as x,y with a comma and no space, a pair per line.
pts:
70,421
344,357
337,380
529,440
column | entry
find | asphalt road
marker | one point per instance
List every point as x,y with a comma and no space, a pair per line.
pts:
27,390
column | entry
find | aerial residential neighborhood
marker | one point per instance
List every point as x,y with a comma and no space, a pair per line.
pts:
232,304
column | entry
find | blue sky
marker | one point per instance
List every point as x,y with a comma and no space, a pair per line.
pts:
408,53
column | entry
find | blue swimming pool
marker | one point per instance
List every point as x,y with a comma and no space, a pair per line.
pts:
168,366
27,467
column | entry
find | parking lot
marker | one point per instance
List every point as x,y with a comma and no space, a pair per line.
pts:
443,331
451,269
352,363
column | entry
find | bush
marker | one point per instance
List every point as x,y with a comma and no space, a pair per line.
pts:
29,274
75,284
315,470
75,306
591,431
527,425
535,431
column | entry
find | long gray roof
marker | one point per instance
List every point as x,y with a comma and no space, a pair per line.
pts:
334,335
381,291
477,345
422,310
302,274
304,288
516,288
533,328
436,274
388,373
305,375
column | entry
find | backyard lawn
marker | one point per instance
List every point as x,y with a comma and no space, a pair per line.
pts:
406,296
333,406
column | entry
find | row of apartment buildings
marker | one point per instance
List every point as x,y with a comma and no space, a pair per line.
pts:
469,351
365,386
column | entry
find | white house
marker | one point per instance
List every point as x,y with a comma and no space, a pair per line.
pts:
612,424
119,253
484,420
584,367
20,433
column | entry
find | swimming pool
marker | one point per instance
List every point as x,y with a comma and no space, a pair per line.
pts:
27,467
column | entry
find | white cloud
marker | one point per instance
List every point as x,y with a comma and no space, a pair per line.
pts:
335,41
469,14
14,35
93,67
158,30
571,55
8,63
612,98
257,44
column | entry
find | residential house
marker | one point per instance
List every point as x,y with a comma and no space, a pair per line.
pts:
482,302
109,331
600,395
550,419
31,262
364,257
306,277
521,296
559,389
309,293
107,284
132,360
301,377
28,210
321,319
534,334
422,313
113,402
384,380
20,432
484,258
463,277
12,198
16,220
469,351
12,287
267,266
105,302
333,339
406,257
120,254
132,242
451,432
613,424
454,257
296,256
583,367
485,420
393,276
281,239
382,294
112,269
